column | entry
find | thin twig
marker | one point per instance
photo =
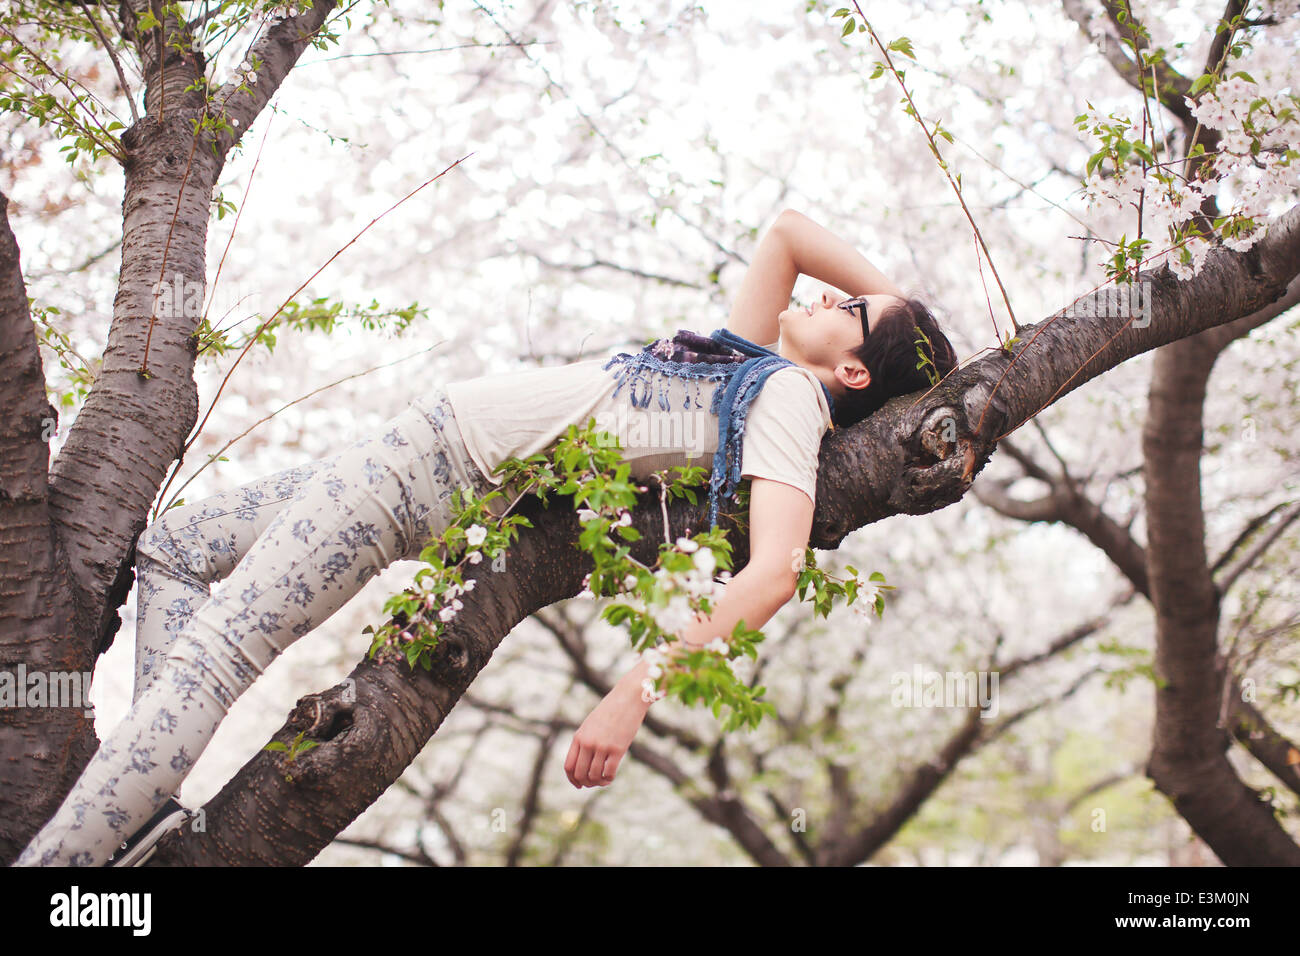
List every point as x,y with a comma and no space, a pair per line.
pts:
435,49
916,114
252,173
274,315
266,418
117,64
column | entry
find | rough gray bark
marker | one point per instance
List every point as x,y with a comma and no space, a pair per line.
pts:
35,620
77,528
899,460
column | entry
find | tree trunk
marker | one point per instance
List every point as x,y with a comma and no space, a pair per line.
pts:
1188,760
73,523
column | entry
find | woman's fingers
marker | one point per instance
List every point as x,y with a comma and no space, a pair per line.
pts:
611,766
585,766
577,765
595,768
588,765
571,762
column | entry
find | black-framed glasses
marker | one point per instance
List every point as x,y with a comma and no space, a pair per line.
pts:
857,306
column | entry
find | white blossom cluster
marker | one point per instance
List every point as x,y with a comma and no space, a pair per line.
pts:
699,582
658,660
1254,183
451,602
624,517
246,71
865,604
677,614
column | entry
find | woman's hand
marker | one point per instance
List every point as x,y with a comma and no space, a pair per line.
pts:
602,740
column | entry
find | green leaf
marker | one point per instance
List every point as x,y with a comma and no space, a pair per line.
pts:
904,46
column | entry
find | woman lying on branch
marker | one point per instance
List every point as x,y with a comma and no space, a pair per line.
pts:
290,549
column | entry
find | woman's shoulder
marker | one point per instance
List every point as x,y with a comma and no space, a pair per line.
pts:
795,388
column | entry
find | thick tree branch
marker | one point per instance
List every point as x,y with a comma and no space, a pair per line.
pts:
1258,548
1218,339
29,422
134,424
55,743
1263,741
1172,85
1188,760
277,52
171,62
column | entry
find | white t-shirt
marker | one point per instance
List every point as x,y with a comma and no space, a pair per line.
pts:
521,413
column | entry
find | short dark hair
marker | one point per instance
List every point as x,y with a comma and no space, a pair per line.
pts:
891,354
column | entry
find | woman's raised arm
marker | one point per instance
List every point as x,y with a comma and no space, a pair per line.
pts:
796,245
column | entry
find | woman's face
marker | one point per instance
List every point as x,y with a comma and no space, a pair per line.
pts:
819,335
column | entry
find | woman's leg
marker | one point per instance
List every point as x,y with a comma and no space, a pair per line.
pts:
182,555
376,502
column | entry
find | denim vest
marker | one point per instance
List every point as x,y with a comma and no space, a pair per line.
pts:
737,385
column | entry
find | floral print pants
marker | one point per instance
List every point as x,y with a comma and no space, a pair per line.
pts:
288,550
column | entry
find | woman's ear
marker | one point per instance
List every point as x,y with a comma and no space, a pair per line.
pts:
853,375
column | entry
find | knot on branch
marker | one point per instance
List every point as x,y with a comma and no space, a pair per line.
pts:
949,456
326,715
940,432
452,662
316,719
167,142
